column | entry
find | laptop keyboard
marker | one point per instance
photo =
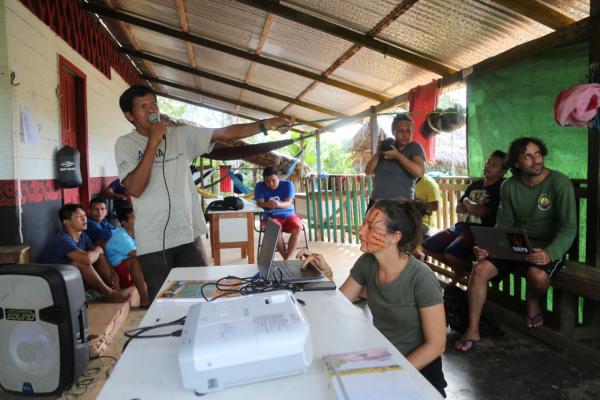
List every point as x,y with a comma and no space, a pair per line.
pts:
284,268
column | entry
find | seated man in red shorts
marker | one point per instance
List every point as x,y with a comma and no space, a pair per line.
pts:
122,255
277,198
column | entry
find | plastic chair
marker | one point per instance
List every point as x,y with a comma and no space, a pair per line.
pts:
261,230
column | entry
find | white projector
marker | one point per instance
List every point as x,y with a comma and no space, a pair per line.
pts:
241,340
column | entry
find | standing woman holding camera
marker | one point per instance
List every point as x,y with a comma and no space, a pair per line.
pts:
396,165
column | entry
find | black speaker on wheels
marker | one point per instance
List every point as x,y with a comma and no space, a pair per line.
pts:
43,328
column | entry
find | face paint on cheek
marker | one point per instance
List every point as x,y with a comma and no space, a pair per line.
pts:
375,237
375,240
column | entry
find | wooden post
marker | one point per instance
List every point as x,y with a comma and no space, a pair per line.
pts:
301,163
334,208
593,202
318,146
308,204
374,130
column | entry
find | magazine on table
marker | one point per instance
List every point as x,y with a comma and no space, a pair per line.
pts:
369,374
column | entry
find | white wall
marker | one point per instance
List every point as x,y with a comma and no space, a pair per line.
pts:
33,50
6,138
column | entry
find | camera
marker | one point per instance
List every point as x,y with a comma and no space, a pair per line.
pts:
386,144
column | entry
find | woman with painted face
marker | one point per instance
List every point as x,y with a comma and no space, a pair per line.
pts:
397,165
403,294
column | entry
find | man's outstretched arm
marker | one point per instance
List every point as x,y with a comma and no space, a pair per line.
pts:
240,131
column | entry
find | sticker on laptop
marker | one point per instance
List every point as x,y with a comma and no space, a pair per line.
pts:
517,243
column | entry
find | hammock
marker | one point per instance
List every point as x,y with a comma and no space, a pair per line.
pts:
247,192
239,185
241,152
205,193
293,164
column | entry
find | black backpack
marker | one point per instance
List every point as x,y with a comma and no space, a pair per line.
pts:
457,314
68,167
228,203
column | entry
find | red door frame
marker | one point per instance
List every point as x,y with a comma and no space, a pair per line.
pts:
81,121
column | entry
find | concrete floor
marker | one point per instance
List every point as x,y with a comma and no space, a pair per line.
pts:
514,366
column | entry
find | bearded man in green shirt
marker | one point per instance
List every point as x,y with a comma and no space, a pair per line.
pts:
541,201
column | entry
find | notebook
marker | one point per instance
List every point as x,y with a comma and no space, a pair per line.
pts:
281,271
503,243
369,374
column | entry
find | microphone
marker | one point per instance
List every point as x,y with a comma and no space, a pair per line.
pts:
154,118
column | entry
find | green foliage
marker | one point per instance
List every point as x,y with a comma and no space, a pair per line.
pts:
337,159
173,109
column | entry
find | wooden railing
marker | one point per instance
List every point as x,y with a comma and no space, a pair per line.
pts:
510,293
335,206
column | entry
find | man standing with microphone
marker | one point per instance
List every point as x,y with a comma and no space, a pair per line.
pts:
153,163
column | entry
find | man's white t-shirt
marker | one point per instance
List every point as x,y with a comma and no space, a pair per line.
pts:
186,222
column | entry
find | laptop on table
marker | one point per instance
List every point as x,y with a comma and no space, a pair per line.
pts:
503,243
285,270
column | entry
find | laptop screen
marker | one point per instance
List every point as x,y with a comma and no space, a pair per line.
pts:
267,248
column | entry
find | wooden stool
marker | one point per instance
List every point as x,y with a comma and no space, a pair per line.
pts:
17,254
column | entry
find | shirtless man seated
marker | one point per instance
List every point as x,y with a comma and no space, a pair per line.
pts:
72,246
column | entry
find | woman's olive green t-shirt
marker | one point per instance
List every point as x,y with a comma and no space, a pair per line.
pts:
395,306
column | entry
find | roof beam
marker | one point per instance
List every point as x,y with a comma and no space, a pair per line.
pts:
227,81
227,99
377,29
217,109
538,12
122,26
342,32
178,34
261,43
183,22
574,33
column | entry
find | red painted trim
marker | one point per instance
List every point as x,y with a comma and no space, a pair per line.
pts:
81,117
40,190
82,32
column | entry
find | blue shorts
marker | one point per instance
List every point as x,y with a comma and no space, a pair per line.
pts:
457,241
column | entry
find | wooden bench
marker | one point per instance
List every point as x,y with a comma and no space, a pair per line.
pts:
15,254
105,319
572,315
574,281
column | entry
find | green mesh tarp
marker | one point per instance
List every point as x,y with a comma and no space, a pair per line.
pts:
518,100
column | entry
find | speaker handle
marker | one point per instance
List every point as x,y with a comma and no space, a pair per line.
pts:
81,318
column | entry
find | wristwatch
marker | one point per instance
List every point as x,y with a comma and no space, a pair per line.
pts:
263,128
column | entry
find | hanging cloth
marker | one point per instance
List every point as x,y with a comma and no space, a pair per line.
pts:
577,105
225,179
423,100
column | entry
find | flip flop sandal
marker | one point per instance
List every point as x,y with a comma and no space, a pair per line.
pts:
462,343
535,321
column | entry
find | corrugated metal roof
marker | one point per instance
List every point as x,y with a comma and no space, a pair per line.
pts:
454,33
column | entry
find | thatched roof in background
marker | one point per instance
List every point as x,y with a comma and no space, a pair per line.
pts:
361,141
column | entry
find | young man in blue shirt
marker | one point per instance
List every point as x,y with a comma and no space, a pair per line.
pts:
277,198
98,228
72,246
122,255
